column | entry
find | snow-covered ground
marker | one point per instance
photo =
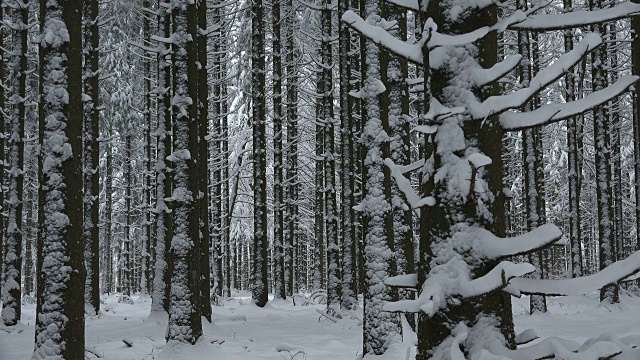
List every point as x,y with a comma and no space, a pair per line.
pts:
240,330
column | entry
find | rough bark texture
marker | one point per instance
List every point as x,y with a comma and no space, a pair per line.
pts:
60,318
185,322
260,282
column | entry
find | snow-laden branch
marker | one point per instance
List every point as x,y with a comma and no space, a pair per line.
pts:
453,280
576,19
577,286
482,77
493,247
552,348
498,104
408,281
404,184
411,52
551,113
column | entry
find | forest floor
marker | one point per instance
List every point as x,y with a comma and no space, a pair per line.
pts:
242,331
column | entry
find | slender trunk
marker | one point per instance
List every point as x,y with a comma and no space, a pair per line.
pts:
11,289
203,164
91,156
260,282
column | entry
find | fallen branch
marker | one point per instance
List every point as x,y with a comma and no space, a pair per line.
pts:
326,315
127,342
92,350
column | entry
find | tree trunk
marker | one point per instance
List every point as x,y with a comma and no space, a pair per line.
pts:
602,141
260,282
60,320
91,155
279,290
380,328
11,288
185,323
203,164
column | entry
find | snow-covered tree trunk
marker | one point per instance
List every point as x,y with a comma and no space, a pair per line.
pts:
380,327
185,323
399,143
635,48
328,122
348,299
291,183
216,218
126,258
532,182
60,317
260,282
91,154
279,290
3,119
615,128
108,207
164,218
602,145
319,278
574,170
147,258
203,162
11,289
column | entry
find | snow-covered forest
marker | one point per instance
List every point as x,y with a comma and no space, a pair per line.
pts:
320,179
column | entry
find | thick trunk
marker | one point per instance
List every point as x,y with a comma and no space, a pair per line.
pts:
185,322
380,328
60,318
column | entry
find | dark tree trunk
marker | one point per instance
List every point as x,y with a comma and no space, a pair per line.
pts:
60,320
260,282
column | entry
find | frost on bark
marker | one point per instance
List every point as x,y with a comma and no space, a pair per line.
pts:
259,278
164,217
380,327
91,154
602,145
185,322
278,198
11,288
60,317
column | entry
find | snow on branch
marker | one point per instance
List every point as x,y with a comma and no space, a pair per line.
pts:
576,19
499,104
493,247
551,113
404,184
577,286
409,281
553,348
452,280
379,36
482,77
